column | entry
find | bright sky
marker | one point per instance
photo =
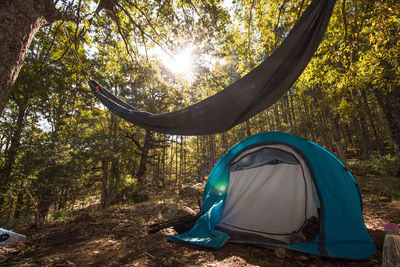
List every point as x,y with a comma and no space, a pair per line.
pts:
180,63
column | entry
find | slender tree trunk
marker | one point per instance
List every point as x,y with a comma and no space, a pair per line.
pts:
248,130
292,112
20,201
104,190
211,142
334,121
360,137
141,173
378,139
277,117
329,137
390,104
115,169
367,137
20,20
11,154
308,119
270,122
224,142
176,163
163,168
181,162
171,160
156,171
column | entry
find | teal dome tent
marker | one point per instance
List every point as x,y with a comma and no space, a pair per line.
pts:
278,189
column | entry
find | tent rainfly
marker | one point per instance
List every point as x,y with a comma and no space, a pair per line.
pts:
278,189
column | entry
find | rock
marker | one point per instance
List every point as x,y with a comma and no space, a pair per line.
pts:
141,196
190,191
173,211
303,258
280,252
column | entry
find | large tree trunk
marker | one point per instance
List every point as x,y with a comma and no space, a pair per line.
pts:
19,22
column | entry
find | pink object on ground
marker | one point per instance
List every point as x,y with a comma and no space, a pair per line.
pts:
391,227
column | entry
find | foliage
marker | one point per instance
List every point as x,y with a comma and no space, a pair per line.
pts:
378,165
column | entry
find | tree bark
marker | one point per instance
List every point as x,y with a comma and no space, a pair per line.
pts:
104,189
11,154
367,136
20,201
334,121
390,104
19,22
141,173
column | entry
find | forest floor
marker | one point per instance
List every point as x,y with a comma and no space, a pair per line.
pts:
118,236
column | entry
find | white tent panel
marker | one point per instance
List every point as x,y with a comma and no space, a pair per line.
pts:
271,200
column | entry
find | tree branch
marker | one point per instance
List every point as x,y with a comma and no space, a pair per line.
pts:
134,140
127,44
141,29
300,9
149,22
277,22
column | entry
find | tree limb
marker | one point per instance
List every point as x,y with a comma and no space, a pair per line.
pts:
126,42
281,10
134,140
149,22
141,29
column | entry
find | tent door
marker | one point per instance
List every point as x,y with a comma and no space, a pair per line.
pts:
270,195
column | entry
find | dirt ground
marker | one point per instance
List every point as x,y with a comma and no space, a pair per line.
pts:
118,236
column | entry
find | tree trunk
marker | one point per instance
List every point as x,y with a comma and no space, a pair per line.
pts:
294,129
308,122
20,202
19,22
141,173
248,130
390,104
163,168
334,121
277,117
212,155
224,142
360,138
367,137
104,189
181,162
11,154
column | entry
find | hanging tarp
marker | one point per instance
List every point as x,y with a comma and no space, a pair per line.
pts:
246,97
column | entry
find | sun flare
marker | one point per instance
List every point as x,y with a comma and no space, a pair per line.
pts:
180,63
